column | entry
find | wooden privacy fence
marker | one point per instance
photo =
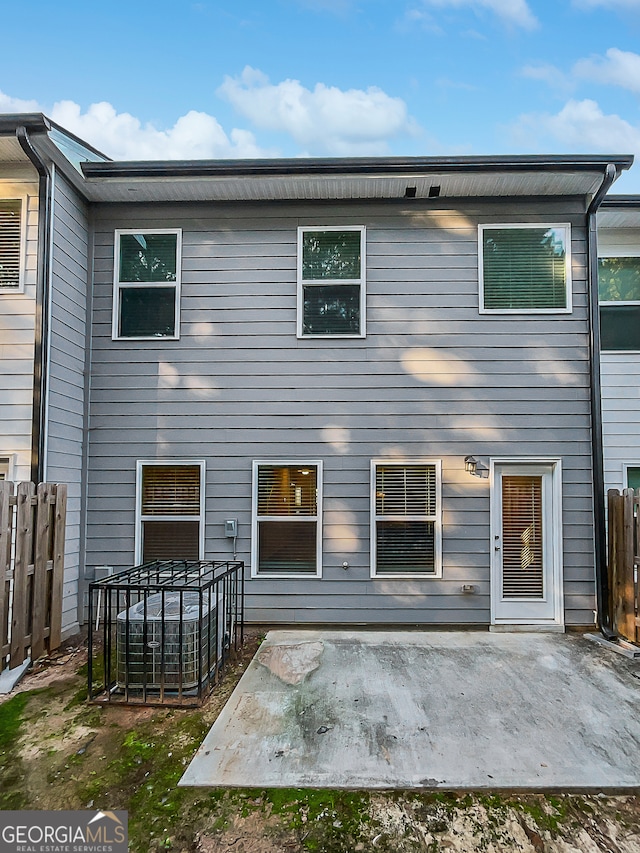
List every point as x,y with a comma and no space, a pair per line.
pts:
32,531
623,544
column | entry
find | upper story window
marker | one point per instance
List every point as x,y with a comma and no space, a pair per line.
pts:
619,293
331,282
406,518
11,244
146,292
525,269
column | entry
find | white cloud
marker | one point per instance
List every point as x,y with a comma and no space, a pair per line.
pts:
195,135
581,126
15,105
617,68
122,136
633,5
325,120
513,12
549,74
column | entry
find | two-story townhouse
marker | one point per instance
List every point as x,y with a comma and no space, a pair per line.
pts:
44,252
371,379
619,286
378,371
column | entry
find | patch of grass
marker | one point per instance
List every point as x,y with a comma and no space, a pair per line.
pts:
11,719
12,795
324,820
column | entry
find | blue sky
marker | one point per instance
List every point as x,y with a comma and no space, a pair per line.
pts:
170,79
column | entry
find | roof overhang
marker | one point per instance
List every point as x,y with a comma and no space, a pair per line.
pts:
348,178
620,211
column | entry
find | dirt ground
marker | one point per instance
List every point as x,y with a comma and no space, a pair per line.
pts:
57,751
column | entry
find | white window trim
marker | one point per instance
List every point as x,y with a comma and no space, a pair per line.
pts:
625,468
140,464
118,285
489,226
24,208
326,281
255,518
8,462
400,462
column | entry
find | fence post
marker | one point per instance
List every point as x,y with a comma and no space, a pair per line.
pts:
24,545
6,528
625,593
613,506
41,557
57,579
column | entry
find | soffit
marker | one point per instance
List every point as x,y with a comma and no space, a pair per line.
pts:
286,187
620,212
10,151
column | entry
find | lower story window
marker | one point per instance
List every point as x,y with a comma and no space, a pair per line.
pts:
405,518
287,525
170,503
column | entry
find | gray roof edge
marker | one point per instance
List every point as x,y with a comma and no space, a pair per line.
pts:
33,122
352,166
40,123
621,201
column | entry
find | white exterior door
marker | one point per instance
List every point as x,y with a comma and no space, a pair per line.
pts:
526,543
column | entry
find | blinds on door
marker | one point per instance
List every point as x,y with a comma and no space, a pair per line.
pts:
522,547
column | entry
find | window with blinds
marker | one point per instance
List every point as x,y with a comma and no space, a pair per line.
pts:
525,268
331,282
406,518
10,244
619,293
170,510
522,542
287,527
4,468
147,284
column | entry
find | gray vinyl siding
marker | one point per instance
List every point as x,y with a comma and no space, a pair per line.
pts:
433,379
66,396
17,335
620,377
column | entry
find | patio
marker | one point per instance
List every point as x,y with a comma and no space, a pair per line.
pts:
427,710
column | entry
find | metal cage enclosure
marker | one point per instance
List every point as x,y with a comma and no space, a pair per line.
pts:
166,630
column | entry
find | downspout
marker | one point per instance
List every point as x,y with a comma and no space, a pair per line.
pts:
597,454
41,353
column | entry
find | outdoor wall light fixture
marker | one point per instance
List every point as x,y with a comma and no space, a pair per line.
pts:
471,465
475,467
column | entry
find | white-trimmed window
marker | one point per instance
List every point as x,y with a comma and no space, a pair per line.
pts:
331,282
406,518
169,510
619,294
5,467
12,242
631,475
287,518
146,284
525,269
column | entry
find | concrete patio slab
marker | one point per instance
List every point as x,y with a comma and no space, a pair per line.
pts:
453,710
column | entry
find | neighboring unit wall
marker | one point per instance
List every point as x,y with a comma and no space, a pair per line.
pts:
433,379
17,331
620,373
66,391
